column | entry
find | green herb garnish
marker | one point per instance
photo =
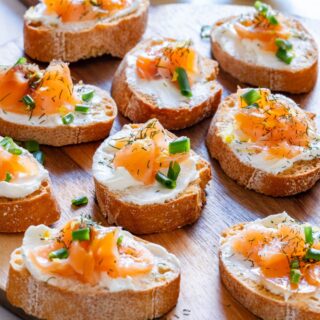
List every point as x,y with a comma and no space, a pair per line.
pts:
165,181
88,96
251,96
174,170
183,82
8,177
80,201
59,254
82,108
81,234
28,102
68,118
180,145
295,276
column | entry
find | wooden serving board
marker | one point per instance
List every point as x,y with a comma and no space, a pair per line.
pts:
202,296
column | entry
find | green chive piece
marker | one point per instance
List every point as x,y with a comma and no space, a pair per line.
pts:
39,156
267,12
165,181
80,201
32,146
205,32
295,264
272,19
81,234
174,170
313,254
68,118
308,235
8,144
295,276
21,60
183,82
88,96
283,44
59,254
285,55
251,96
8,177
29,102
120,240
180,145
82,108
261,7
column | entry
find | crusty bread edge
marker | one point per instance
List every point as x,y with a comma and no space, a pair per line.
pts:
293,81
115,38
16,215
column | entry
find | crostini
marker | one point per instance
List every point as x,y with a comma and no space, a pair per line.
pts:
148,180
87,271
25,190
168,80
272,267
266,142
266,49
44,105
71,30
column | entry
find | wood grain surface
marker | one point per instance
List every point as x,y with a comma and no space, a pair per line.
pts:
202,296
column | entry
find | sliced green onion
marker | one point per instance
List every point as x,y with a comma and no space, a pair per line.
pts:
8,144
59,254
68,118
21,60
82,108
261,7
205,32
39,156
313,254
8,177
266,11
283,44
295,264
88,96
174,170
295,276
165,181
251,96
285,55
308,235
81,234
80,201
119,240
272,19
32,146
180,145
183,82
29,102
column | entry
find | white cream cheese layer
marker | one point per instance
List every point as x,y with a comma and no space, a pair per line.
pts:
38,14
246,271
163,92
97,112
166,265
130,190
262,160
252,52
23,186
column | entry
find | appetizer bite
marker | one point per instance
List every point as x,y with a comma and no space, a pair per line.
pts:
148,180
25,190
87,271
266,49
168,80
265,142
44,105
71,30
271,266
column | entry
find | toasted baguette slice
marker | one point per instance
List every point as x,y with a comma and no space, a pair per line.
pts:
253,294
74,41
52,299
139,106
41,128
150,217
301,176
280,77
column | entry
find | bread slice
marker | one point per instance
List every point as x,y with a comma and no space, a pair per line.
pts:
40,207
140,107
255,297
45,42
300,177
294,80
51,301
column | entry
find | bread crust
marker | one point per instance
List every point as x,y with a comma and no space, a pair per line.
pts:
139,108
293,81
300,177
62,135
257,299
45,43
45,301
158,217
40,207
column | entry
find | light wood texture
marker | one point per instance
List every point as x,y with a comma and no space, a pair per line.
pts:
202,295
